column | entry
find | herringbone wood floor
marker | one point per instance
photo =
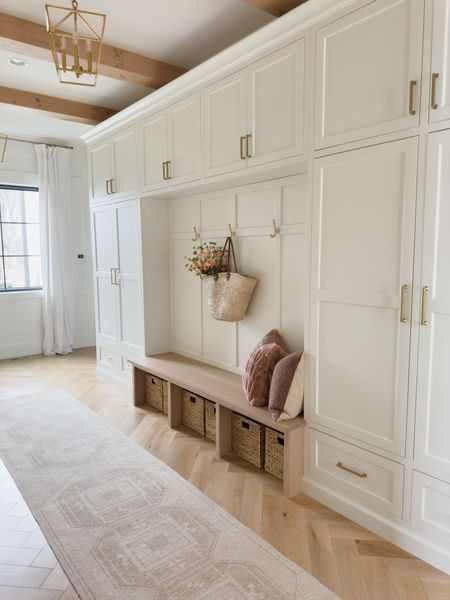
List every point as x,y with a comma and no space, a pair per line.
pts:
350,560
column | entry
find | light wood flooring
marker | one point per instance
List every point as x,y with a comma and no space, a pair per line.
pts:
350,560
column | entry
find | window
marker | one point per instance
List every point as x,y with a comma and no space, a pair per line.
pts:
20,262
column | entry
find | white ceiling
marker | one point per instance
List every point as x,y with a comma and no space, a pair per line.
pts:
21,122
181,32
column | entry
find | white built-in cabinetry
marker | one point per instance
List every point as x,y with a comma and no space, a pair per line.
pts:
377,409
322,142
361,280
171,145
368,71
256,115
113,166
130,240
440,60
432,447
118,283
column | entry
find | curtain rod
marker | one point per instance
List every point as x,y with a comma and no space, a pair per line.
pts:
11,139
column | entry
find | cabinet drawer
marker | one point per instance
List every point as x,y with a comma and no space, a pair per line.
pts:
107,357
430,510
371,478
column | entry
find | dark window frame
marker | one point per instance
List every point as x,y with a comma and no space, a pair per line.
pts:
3,288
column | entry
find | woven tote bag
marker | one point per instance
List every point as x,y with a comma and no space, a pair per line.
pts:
228,293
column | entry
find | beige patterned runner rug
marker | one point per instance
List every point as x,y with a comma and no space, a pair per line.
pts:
123,525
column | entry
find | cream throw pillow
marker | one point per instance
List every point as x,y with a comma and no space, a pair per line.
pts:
294,401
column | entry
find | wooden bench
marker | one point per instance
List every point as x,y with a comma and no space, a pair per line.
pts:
225,389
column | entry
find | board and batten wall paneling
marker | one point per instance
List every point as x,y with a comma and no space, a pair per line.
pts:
218,214
277,262
21,312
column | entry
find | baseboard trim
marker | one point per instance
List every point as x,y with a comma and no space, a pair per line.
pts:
399,534
20,350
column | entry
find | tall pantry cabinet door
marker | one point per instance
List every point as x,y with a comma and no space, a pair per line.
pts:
129,277
100,168
362,267
432,448
440,62
226,124
185,140
277,104
123,148
154,151
105,261
366,65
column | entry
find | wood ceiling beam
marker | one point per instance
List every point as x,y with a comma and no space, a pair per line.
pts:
67,110
276,7
26,38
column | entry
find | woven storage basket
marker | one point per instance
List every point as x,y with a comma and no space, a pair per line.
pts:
274,453
154,391
194,412
228,293
210,420
229,296
248,439
165,395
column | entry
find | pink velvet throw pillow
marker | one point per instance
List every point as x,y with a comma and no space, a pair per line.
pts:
258,373
273,337
282,377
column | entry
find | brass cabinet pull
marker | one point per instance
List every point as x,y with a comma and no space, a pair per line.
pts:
275,229
111,275
412,85
434,78
117,276
196,235
423,318
108,191
168,163
357,473
112,181
248,138
404,289
241,148
164,170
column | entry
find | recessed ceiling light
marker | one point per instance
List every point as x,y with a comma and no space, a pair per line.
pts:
17,62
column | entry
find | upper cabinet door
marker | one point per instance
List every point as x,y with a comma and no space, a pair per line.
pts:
100,170
155,151
185,141
440,62
368,71
226,124
123,147
362,269
432,449
276,107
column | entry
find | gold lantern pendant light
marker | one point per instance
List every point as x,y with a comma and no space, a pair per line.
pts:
76,38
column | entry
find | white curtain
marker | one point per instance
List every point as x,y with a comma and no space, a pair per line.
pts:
57,265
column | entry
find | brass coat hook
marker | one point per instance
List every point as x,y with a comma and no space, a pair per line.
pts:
196,235
275,229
